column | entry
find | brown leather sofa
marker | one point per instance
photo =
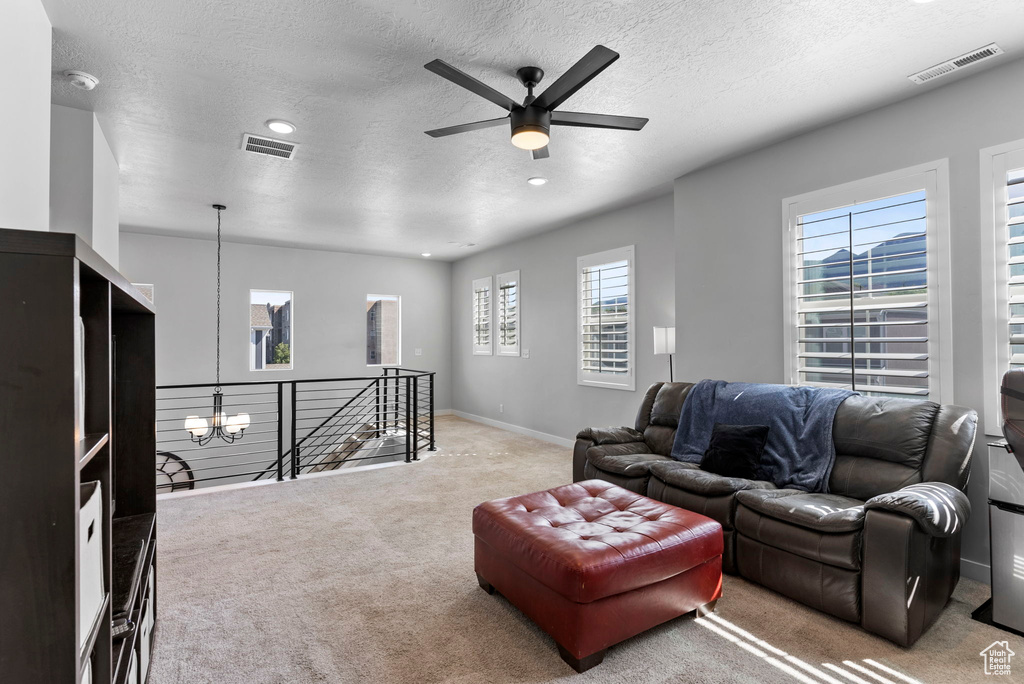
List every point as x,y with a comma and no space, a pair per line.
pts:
881,549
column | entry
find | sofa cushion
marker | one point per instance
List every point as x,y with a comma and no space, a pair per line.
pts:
668,403
631,459
824,528
690,477
895,430
829,513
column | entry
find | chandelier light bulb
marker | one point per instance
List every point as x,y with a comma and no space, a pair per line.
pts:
197,426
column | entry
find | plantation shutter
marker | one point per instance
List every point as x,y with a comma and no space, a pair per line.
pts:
508,314
1014,245
863,297
482,316
606,313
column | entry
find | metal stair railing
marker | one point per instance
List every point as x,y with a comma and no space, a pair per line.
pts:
369,418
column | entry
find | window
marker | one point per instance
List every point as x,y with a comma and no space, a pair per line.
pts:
383,330
482,316
867,299
270,330
1002,226
605,305
508,313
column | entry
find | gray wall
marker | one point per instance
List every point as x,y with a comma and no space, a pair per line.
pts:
540,393
729,281
329,289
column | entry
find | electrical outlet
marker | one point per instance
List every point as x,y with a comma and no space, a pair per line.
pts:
419,352
501,408
526,353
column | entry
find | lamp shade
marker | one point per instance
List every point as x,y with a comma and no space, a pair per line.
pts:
664,340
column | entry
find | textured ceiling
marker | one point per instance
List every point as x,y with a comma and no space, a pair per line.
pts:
182,80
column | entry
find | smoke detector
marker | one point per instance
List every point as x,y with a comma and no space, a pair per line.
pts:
81,80
957,63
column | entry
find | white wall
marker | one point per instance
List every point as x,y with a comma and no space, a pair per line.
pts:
729,280
84,181
540,393
25,39
329,308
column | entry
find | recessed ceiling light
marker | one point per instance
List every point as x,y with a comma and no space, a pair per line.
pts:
279,126
425,254
536,180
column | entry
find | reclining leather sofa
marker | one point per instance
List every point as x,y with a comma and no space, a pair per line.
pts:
881,548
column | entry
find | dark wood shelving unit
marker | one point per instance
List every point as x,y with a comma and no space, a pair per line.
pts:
47,282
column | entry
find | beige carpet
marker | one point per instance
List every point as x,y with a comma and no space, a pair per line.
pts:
368,577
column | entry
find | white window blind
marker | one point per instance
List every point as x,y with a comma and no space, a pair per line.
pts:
482,316
862,288
1002,239
508,285
606,315
1013,235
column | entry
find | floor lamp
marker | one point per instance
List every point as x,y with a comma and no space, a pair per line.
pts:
665,343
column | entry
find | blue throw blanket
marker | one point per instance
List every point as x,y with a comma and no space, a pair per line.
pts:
799,452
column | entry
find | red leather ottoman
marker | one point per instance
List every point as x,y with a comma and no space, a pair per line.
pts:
593,564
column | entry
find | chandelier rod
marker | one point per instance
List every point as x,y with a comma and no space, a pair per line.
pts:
219,208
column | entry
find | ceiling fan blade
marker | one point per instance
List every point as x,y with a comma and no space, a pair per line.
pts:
465,128
542,153
578,75
471,84
624,123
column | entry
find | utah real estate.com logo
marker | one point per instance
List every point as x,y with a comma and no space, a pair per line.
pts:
997,658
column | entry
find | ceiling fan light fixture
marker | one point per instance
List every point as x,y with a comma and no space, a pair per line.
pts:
530,137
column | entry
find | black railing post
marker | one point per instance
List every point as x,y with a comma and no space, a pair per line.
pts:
376,389
385,399
295,446
408,417
432,446
415,418
280,432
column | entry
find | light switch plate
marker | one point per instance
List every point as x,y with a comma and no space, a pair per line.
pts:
526,353
419,352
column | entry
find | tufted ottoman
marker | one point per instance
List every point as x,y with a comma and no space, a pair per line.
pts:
593,564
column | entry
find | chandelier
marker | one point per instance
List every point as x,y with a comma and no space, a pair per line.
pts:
228,428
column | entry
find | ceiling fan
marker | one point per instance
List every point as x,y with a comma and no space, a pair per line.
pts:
531,121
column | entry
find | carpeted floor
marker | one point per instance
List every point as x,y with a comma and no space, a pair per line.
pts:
368,577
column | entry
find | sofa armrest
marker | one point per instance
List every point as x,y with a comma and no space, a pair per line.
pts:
941,510
590,437
610,435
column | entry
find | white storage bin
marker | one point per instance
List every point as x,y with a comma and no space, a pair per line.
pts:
90,552
133,669
151,614
145,640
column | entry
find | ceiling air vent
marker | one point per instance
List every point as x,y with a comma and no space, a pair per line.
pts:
973,57
258,144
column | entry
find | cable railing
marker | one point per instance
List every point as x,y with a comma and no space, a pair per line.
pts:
211,434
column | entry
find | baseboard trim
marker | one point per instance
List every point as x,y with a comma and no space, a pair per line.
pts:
442,412
536,434
980,572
